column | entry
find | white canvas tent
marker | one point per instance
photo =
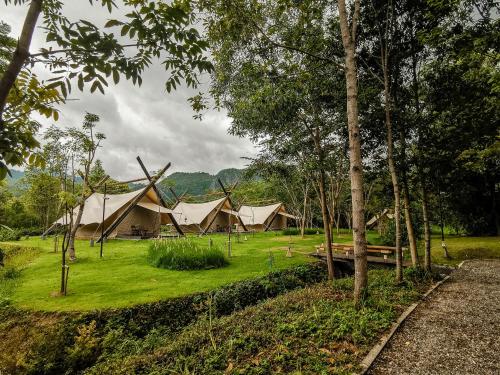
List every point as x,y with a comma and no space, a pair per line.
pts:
213,216
263,218
381,220
142,220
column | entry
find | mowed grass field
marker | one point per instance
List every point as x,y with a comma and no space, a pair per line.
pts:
123,276
461,248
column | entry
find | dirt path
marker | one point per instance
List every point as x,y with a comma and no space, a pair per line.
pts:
455,331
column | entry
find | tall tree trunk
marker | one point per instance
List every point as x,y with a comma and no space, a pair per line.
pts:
21,53
304,211
356,167
392,170
427,230
74,228
326,225
412,240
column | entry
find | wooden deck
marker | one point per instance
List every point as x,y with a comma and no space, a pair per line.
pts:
391,262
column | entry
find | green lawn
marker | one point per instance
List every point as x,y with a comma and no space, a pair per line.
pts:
123,277
462,248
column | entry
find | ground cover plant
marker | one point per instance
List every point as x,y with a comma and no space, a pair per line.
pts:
309,331
185,254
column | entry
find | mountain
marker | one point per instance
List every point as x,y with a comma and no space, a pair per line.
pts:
199,183
16,176
191,183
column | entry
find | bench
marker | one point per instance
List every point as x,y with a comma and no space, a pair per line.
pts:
349,249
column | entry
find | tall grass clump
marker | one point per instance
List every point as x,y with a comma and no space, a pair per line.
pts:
185,254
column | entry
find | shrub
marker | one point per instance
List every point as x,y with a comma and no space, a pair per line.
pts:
31,231
7,234
185,254
11,273
296,231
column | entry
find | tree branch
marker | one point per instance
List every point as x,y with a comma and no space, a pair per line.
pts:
20,54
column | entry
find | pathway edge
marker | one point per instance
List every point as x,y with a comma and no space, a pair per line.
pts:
372,355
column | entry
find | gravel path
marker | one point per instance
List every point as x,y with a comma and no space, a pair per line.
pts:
455,331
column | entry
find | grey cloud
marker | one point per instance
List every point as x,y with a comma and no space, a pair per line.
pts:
145,120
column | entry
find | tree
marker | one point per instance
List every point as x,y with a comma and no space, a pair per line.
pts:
349,32
97,173
40,196
278,95
17,131
460,89
81,51
70,153
85,142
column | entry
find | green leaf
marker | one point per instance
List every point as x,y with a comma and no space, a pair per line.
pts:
116,76
112,23
80,82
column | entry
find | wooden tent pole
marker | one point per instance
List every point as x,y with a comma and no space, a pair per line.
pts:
172,218
133,203
231,204
149,178
272,219
213,219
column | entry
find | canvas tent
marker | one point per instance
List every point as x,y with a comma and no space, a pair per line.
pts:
263,218
141,220
380,221
213,216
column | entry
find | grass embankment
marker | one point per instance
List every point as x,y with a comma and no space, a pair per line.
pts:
123,277
312,330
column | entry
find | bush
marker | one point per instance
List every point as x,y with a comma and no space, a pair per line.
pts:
31,231
296,231
185,254
7,234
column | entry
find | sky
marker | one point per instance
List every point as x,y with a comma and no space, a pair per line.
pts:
145,121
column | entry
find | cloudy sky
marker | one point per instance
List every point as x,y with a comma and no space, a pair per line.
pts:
145,121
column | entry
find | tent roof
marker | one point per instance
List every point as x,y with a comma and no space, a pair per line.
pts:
386,212
254,215
92,211
195,213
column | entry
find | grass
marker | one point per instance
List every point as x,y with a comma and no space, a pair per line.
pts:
185,254
462,248
15,260
123,276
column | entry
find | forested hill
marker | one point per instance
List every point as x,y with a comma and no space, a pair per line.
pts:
198,183
16,175
191,183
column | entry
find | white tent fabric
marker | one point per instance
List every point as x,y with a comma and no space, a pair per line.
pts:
253,215
155,207
194,213
92,211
